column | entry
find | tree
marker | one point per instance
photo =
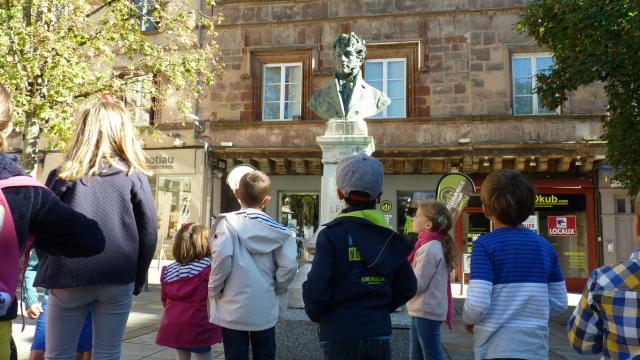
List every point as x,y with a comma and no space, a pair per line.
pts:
57,54
595,40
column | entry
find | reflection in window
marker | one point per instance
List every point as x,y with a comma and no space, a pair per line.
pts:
173,204
282,91
389,76
407,205
524,69
299,212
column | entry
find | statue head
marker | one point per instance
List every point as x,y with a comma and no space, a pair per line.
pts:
349,52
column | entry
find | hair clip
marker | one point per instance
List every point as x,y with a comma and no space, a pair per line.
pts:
105,97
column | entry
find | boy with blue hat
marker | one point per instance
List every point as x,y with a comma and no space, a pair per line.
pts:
360,273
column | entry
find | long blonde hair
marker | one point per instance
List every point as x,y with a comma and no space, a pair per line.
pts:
440,219
103,133
5,116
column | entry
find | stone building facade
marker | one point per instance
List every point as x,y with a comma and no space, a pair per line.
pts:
465,107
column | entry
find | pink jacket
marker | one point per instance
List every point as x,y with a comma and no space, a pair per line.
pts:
185,322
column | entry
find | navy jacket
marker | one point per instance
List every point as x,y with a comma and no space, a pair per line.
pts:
360,274
123,206
39,210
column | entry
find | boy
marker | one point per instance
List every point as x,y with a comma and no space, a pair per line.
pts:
515,276
253,262
360,273
606,319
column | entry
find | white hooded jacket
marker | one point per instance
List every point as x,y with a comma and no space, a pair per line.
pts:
254,261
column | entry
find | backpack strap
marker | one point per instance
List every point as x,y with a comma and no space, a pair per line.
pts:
9,248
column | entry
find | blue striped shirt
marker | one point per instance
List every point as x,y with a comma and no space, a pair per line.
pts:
515,283
175,271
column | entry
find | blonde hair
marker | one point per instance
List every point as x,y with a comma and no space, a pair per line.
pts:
5,115
440,219
103,133
191,243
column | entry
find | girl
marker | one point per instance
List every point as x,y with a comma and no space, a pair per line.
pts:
185,324
103,175
33,208
432,259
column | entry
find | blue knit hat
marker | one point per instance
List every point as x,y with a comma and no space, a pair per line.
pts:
361,173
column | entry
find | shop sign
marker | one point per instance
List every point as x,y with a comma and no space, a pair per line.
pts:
386,206
181,161
532,223
562,225
560,202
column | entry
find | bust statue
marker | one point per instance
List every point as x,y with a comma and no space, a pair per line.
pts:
348,97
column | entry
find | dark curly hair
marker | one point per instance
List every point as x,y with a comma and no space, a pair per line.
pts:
359,45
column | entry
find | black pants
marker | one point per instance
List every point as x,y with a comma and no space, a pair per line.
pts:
365,349
236,344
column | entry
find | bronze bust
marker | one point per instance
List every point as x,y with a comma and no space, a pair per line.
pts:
348,96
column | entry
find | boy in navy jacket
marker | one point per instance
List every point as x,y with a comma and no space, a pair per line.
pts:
360,272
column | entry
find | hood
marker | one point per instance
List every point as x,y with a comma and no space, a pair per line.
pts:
380,247
9,166
186,289
257,231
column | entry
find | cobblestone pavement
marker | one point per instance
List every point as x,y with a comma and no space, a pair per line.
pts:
139,339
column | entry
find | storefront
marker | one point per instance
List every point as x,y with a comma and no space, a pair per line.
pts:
178,185
564,215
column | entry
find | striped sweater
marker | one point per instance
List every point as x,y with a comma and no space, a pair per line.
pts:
515,284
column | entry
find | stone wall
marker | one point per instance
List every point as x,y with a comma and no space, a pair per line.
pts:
465,50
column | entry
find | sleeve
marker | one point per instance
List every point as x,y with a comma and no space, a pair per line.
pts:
221,244
480,285
30,292
316,290
424,267
585,327
62,231
558,301
403,286
163,291
287,265
146,222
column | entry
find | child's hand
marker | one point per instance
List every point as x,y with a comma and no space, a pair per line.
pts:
469,328
34,311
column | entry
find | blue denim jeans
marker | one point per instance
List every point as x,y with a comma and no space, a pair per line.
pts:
236,344
365,349
425,339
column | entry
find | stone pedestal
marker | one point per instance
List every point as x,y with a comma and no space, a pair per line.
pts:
341,139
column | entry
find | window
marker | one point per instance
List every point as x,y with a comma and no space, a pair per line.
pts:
147,14
299,212
281,85
524,69
282,91
389,76
139,99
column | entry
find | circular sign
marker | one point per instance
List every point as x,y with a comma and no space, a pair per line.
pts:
386,206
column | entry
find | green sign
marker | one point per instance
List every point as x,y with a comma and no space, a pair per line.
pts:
386,206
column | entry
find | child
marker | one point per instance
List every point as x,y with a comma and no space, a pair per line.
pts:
432,259
34,208
38,311
254,260
104,176
185,325
515,276
360,273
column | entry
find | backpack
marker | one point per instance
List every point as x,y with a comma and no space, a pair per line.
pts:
9,248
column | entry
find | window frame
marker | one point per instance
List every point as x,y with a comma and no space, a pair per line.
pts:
410,52
262,57
153,110
385,80
142,17
283,83
535,98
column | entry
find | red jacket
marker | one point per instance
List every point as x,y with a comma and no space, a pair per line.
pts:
185,323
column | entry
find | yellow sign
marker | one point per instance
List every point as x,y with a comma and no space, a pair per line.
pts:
386,206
